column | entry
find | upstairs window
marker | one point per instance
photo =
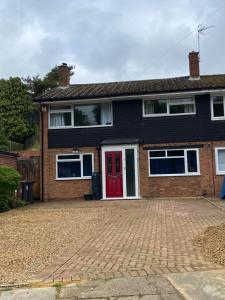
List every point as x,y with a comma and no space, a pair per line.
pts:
217,107
60,116
173,162
93,115
165,107
82,115
74,166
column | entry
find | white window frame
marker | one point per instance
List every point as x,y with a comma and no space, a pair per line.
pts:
211,107
185,162
72,160
218,172
72,116
53,111
168,107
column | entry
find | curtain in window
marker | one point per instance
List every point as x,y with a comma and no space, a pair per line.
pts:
189,108
106,114
57,119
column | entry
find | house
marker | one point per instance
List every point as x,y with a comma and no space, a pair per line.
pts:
147,138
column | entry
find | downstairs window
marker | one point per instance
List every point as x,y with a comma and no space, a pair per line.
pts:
74,166
220,161
173,162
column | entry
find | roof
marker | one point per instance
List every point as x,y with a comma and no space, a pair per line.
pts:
131,88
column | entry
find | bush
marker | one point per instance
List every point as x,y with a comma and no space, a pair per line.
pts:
9,181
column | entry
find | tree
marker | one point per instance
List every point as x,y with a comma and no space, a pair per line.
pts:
37,85
15,108
4,143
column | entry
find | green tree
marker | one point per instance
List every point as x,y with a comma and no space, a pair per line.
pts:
38,85
15,108
4,143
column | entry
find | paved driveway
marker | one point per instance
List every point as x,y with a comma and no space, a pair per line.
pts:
139,238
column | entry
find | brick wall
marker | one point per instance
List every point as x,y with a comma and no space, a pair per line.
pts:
8,160
168,186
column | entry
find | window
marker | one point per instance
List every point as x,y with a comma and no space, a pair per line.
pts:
181,106
60,116
74,166
154,107
173,162
84,115
95,114
217,107
164,107
220,161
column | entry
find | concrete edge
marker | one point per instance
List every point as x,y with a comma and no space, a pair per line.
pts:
179,289
214,204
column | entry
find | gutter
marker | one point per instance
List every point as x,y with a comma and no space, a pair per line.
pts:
131,97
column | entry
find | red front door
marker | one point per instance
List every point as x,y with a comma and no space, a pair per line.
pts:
114,175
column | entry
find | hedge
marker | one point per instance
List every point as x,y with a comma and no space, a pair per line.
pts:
9,181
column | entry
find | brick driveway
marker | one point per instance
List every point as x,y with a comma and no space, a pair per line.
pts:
139,238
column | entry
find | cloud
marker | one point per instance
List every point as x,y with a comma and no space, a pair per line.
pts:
109,40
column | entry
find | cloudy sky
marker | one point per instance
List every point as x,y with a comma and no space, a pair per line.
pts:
110,40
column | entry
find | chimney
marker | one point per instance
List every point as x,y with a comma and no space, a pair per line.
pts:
64,75
194,65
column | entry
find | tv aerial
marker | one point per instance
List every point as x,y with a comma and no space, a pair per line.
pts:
201,31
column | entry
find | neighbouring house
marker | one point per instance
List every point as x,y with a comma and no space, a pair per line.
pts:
147,138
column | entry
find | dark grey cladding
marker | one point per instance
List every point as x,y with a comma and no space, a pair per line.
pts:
128,123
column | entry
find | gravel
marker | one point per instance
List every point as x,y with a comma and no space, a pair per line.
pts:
212,243
31,237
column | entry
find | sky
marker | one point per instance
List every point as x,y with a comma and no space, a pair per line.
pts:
110,40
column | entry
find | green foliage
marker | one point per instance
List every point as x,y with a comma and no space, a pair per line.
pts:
37,85
9,181
4,143
16,106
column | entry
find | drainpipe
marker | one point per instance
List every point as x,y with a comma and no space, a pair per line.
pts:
42,111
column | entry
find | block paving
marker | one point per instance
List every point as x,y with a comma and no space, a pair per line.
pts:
139,238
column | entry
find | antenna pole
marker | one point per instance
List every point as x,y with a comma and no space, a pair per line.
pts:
201,29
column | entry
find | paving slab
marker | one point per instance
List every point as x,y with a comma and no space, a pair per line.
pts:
208,285
29,294
131,288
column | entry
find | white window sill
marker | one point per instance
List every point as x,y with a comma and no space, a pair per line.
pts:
220,173
73,178
75,127
218,119
174,175
168,115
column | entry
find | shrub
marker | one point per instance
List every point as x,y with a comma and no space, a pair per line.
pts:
9,181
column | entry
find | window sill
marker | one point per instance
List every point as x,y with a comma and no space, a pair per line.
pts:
173,175
72,178
78,127
168,115
218,119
